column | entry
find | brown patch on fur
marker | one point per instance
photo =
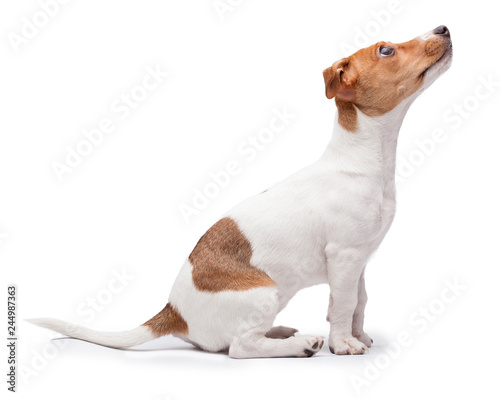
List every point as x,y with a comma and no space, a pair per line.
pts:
348,117
221,260
167,321
376,84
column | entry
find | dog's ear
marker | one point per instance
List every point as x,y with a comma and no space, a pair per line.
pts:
337,82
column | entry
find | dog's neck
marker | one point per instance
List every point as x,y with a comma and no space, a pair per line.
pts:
369,150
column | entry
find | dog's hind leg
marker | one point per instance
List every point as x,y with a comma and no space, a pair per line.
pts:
255,344
255,337
281,332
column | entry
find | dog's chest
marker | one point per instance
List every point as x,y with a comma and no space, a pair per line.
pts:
358,212
388,210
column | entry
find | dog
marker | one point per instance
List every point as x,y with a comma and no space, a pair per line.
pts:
321,225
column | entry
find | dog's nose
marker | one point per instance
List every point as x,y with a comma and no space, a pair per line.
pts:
442,30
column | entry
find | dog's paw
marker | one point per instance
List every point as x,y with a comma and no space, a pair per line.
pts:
311,344
364,338
348,345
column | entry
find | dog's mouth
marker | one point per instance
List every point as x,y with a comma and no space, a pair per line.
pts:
447,51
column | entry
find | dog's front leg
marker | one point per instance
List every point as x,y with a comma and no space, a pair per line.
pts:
359,313
345,267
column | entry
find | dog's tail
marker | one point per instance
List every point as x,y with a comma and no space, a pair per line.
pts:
165,322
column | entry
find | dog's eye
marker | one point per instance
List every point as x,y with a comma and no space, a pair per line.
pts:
386,51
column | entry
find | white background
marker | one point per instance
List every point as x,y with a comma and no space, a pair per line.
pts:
119,209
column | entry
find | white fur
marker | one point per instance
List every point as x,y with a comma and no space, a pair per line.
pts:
321,225
426,35
214,319
134,337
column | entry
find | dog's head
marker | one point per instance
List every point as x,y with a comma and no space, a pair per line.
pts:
378,78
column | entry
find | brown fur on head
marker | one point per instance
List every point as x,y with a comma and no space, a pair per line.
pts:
377,78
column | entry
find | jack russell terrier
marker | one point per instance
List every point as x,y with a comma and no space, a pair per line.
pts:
321,225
